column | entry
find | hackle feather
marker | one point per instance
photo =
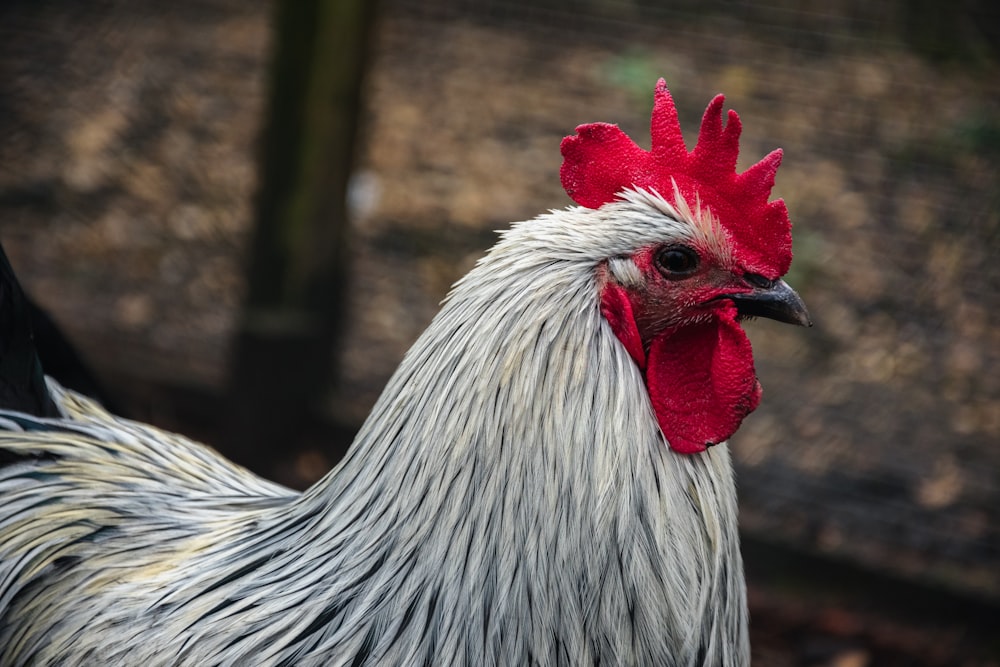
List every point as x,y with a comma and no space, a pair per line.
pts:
510,500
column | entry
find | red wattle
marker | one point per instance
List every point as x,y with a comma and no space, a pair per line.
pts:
617,310
701,381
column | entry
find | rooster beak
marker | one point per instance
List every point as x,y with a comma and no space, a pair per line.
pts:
777,301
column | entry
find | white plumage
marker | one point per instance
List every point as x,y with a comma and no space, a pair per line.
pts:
510,501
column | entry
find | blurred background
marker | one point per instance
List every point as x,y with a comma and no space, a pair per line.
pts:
241,213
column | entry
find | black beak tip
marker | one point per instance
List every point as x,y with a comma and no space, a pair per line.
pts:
778,302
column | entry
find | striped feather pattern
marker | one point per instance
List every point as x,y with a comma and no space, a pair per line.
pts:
510,501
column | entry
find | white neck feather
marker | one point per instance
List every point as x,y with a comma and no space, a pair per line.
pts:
510,501
513,479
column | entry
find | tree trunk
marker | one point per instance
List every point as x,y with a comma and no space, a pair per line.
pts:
282,360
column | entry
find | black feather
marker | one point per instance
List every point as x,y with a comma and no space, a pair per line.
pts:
22,381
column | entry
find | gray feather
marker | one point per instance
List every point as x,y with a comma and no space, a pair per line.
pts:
509,501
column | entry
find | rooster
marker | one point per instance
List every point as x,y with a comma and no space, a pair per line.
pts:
544,480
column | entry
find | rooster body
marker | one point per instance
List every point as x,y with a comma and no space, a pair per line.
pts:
510,500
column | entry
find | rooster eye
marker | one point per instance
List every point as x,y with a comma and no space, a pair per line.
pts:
677,261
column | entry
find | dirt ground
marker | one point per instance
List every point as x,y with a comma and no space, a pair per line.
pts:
127,173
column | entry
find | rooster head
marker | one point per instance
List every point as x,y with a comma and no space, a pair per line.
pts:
676,305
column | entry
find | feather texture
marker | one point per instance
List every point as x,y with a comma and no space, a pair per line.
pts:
509,501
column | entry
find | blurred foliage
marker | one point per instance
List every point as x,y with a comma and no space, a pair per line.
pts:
632,70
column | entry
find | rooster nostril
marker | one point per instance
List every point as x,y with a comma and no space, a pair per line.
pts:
758,280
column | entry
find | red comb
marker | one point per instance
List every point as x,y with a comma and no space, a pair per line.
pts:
601,161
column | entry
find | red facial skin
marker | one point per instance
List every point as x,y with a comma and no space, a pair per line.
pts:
685,337
682,332
600,161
